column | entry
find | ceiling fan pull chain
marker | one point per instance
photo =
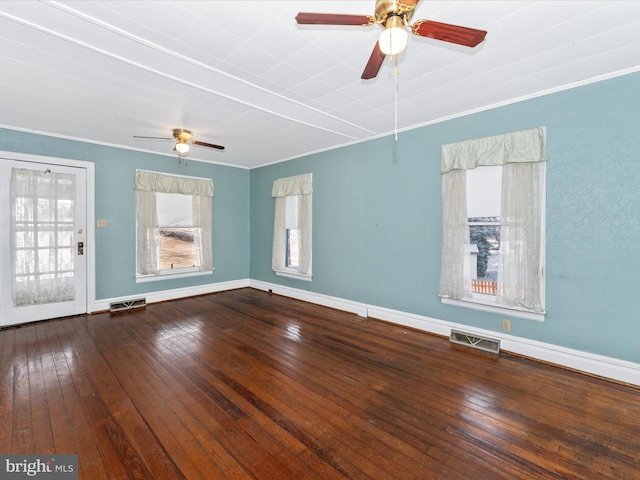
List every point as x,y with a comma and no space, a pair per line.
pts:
395,98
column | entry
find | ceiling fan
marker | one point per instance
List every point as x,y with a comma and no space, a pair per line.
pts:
183,139
394,16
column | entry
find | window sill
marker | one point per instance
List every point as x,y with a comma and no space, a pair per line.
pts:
485,306
171,275
297,276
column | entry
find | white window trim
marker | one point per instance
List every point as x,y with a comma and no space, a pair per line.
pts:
291,273
177,273
492,307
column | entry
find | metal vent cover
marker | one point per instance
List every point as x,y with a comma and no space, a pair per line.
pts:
127,304
475,341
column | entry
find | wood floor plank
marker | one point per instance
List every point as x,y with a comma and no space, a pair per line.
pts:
40,368
90,453
266,428
317,373
107,404
264,400
247,385
170,418
22,440
365,423
59,417
7,357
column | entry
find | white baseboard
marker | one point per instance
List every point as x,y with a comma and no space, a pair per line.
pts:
164,295
599,365
317,298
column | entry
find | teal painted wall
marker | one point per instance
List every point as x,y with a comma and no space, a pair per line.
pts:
377,217
115,202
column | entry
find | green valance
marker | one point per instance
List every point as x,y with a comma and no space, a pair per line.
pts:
523,146
158,182
298,185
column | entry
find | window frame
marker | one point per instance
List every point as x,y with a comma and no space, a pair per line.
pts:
192,227
300,186
487,303
177,273
472,154
286,270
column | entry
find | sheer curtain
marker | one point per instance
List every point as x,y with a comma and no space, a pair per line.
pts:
42,236
304,222
301,186
148,241
279,250
520,236
202,220
455,235
522,156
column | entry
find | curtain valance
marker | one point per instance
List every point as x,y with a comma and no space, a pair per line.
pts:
516,147
157,182
298,185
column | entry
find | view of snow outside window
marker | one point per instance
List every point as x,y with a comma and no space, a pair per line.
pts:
484,233
177,234
483,210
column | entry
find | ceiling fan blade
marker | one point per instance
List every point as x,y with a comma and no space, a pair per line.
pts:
304,18
154,138
469,37
210,145
374,63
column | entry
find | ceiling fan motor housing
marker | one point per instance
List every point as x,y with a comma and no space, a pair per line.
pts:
386,9
182,135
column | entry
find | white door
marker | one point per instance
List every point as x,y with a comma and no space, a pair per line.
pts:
43,241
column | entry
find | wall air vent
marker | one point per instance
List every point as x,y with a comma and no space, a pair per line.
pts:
127,304
475,341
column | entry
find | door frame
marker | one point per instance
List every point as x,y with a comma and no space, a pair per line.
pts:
90,253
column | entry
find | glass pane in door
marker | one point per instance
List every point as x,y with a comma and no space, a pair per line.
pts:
42,236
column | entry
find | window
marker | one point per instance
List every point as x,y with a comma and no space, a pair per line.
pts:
292,232
493,223
483,216
178,234
173,225
291,253
42,236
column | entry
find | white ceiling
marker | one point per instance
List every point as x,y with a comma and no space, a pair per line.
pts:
244,75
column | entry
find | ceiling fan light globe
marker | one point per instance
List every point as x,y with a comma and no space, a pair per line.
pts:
393,40
182,148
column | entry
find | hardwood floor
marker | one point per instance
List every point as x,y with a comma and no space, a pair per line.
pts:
247,385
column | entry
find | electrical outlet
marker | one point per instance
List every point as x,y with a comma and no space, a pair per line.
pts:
506,325
101,223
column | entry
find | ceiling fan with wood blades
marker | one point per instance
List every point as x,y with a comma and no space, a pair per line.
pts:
394,16
183,139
